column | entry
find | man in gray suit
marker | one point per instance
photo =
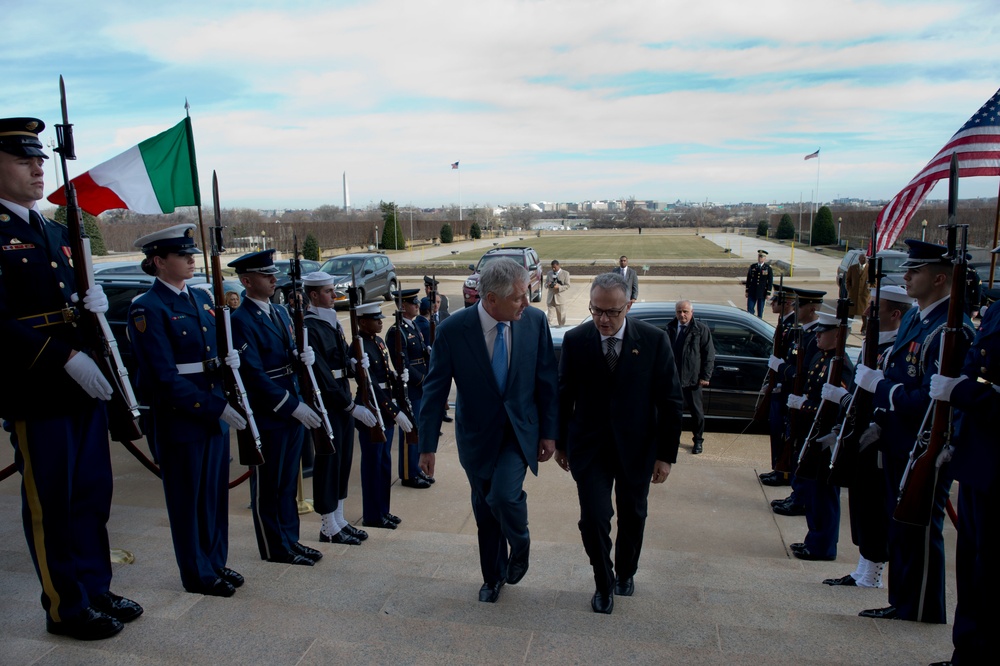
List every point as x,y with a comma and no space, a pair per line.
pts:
500,356
630,277
694,354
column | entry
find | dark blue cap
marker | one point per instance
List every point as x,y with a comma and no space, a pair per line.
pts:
178,239
19,136
425,304
922,254
407,296
807,296
255,262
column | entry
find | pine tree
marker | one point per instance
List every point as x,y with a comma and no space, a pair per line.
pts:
310,248
762,228
392,234
475,232
90,227
823,231
786,229
447,235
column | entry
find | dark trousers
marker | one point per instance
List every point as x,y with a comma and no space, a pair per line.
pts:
693,404
822,516
66,487
273,491
977,615
331,473
376,474
756,303
594,484
196,489
408,463
500,506
866,499
777,425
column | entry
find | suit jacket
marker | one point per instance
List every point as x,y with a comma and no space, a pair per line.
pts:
637,409
556,297
697,359
856,281
631,281
529,402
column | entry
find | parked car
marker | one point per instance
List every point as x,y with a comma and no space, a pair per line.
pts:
283,287
891,262
525,256
375,274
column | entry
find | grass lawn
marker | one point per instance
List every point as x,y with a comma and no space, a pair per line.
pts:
607,248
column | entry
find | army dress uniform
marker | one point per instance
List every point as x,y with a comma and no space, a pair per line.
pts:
417,357
760,280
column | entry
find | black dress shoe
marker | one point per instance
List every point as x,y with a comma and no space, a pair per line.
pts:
805,554
603,603
120,608
776,479
291,558
783,500
340,537
697,448
447,419
306,551
789,509
887,613
517,567
90,625
847,581
231,577
416,482
428,479
383,523
217,588
360,535
490,592
625,588
393,519
796,546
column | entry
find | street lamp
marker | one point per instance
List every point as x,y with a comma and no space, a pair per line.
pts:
263,239
376,236
839,222
923,231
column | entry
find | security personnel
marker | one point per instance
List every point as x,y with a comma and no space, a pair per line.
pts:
976,467
411,367
376,457
172,329
760,280
442,313
916,554
262,334
822,500
331,473
52,400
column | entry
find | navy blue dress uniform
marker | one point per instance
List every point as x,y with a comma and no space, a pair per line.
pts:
376,457
417,358
267,352
760,281
976,467
916,554
59,432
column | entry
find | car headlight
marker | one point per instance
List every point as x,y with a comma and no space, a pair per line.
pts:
471,283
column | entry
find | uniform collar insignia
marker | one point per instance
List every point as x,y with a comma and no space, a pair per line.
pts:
4,217
15,241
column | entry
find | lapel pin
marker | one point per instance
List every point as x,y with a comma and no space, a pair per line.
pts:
635,352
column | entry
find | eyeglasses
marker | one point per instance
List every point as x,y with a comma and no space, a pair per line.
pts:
610,314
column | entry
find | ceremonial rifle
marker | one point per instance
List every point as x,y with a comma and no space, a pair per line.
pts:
322,440
365,389
123,408
917,488
402,360
432,296
843,459
784,462
248,439
812,460
762,411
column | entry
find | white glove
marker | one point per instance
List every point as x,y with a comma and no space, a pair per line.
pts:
833,393
363,414
233,418
945,456
796,401
405,376
773,363
85,372
306,416
941,387
307,356
364,362
233,360
403,422
94,300
867,379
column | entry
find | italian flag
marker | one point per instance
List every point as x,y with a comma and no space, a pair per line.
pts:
154,177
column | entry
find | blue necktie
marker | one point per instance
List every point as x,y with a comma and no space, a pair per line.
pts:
500,357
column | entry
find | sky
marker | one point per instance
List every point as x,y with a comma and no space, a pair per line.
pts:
538,100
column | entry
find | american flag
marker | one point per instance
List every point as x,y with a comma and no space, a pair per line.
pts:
454,165
978,146
811,155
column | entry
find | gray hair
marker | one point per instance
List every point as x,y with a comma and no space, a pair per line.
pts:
499,276
610,281
684,301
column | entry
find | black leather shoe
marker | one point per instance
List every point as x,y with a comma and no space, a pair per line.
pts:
517,567
340,537
847,581
789,509
120,608
360,535
428,479
231,577
783,500
625,588
415,483
306,551
776,479
796,546
490,592
396,520
603,603
804,553
292,558
90,625
887,613
217,588
697,448
383,523
447,419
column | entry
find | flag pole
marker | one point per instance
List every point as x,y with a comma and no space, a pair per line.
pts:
197,190
996,241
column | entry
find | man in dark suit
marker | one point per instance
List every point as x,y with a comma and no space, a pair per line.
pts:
630,277
619,428
760,280
694,355
441,312
500,356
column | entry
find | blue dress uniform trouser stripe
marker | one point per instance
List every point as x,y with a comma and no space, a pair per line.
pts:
273,491
66,489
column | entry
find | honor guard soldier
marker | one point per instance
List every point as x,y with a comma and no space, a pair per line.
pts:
376,457
172,329
332,473
916,554
411,367
262,335
760,280
783,305
52,402
442,312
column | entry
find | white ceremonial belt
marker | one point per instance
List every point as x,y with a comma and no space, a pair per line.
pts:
196,368
338,374
384,387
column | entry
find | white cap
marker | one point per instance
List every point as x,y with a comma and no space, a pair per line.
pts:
317,279
894,293
827,322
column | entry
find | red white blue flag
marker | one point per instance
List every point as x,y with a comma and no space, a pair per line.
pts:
454,165
811,155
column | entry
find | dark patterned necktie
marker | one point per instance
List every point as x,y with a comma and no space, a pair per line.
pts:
611,353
